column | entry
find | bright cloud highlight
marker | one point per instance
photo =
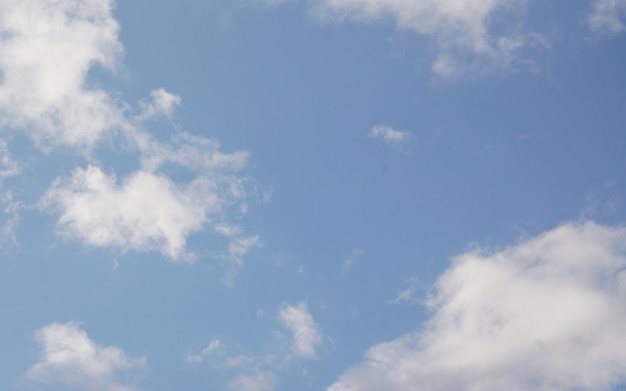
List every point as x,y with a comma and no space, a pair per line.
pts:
70,359
546,314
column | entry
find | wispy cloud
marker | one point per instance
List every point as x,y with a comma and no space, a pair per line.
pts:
461,29
213,347
606,16
260,381
264,370
70,359
411,294
389,135
545,314
305,332
349,260
11,206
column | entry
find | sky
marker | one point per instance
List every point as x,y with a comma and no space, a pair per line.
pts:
339,195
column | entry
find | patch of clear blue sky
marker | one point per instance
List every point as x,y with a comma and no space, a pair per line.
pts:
491,160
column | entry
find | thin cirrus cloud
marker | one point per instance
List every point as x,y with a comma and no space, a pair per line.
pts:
69,358
546,314
606,16
305,332
464,38
46,52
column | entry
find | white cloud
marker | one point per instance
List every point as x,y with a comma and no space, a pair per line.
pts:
606,16
261,381
161,103
10,205
349,261
147,211
46,51
410,294
206,352
460,28
306,334
545,315
69,358
390,135
240,246
8,166
186,150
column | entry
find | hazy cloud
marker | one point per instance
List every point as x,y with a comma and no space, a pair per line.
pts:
206,352
261,381
606,16
546,314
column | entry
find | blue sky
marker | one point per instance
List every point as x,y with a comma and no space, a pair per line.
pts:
340,195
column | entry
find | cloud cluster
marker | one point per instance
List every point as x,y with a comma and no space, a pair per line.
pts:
305,332
545,315
606,16
47,49
70,359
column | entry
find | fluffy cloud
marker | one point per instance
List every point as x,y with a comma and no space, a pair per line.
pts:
306,334
70,359
460,28
146,211
606,16
46,50
390,135
547,314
